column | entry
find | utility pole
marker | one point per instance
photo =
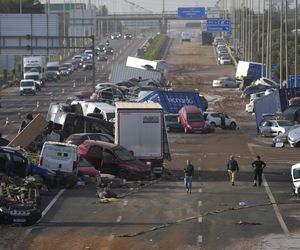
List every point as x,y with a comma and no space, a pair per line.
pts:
286,45
296,43
263,40
258,27
280,50
270,45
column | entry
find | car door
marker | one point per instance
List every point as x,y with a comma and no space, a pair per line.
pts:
94,156
110,164
275,128
266,128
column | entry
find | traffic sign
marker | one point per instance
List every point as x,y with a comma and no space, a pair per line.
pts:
217,28
218,25
191,13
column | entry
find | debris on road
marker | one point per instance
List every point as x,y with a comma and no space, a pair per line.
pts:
248,223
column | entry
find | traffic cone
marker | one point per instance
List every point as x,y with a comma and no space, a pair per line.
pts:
6,121
63,91
37,104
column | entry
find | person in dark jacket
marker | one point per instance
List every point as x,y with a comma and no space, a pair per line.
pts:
24,123
232,168
189,173
258,166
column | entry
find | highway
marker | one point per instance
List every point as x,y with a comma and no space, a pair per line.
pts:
160,214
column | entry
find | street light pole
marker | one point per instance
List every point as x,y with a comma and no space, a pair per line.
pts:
21,7
296,43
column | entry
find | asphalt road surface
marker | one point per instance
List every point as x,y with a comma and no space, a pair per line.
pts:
160,214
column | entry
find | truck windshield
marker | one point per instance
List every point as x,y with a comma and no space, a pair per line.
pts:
27,84
123,154
53,68
28,69
195,117
32,77
296,173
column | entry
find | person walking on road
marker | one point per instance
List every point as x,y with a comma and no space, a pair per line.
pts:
189,173
232,168
258,166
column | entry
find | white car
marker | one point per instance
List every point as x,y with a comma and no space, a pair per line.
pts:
225,60
225,82
294,137
214,119
274,127
266,82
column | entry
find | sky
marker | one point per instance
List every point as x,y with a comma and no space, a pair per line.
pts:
130,6
142,5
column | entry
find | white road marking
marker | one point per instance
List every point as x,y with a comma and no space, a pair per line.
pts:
119,218
200,219
200,190
271,197
199,239
199,203
46,210
125,203
275,207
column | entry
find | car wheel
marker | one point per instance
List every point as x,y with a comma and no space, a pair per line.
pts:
213,124
232,126
123,174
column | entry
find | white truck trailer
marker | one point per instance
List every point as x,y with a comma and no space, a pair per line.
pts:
34,67
140,128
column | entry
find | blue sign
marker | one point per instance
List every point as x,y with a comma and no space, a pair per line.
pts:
218,25
292,81
191,13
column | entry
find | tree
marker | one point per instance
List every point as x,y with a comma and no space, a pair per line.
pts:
28,6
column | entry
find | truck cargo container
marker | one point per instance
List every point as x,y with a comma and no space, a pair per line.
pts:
140,127
173,101
121,73
35,66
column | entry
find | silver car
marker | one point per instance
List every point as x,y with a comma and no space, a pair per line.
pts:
294,137
274,127
225,82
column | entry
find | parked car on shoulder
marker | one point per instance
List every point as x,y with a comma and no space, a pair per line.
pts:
114,159
225,60
221,120
225,82
192,120
274,127
294,137
172,123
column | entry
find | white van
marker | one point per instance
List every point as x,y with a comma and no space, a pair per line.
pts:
27,87
58,156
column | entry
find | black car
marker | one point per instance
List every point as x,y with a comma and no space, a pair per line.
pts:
172,123
109,51
51,76
88,64
102,58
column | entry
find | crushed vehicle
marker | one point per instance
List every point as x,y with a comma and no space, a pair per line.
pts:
114,159
20,201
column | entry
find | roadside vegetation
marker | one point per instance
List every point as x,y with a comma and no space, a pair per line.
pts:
154,47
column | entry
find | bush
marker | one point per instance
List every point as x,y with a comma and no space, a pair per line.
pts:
154,47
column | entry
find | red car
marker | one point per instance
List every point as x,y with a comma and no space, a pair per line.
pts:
114,159
192,120
86,168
